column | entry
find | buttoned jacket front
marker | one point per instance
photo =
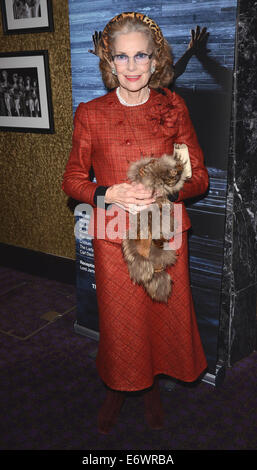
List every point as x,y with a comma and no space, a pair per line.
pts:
108,136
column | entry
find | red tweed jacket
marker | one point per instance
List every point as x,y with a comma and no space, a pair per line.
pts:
108,136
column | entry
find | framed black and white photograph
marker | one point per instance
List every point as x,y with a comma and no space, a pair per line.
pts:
25,92
27,16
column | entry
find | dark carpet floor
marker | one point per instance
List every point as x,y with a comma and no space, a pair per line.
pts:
50,390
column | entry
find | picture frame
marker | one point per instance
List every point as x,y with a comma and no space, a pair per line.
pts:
25,92
27,16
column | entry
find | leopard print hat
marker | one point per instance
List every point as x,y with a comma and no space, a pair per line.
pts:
145,19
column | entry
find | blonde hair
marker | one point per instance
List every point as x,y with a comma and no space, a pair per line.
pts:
164,71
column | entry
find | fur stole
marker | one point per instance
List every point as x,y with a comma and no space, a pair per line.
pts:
145,254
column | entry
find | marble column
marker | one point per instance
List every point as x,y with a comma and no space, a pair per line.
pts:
237,330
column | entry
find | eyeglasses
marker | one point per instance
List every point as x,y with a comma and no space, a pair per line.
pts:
140,59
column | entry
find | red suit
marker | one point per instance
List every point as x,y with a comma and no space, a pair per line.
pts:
139,338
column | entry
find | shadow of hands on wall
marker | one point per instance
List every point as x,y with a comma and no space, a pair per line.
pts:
197,47
209,109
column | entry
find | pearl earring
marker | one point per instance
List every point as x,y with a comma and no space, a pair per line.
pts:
114,71
152,68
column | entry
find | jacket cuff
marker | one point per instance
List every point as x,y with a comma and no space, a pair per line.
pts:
100,191
173,197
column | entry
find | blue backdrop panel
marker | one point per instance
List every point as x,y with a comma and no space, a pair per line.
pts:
85,272
206,87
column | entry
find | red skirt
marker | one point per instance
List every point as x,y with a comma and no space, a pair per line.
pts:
140,338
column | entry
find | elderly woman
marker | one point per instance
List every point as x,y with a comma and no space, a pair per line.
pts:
139,338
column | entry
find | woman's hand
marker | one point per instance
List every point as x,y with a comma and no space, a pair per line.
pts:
129,194
96,40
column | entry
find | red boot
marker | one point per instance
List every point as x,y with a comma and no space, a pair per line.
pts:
154,413
109,411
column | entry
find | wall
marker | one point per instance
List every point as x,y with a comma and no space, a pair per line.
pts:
34,212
